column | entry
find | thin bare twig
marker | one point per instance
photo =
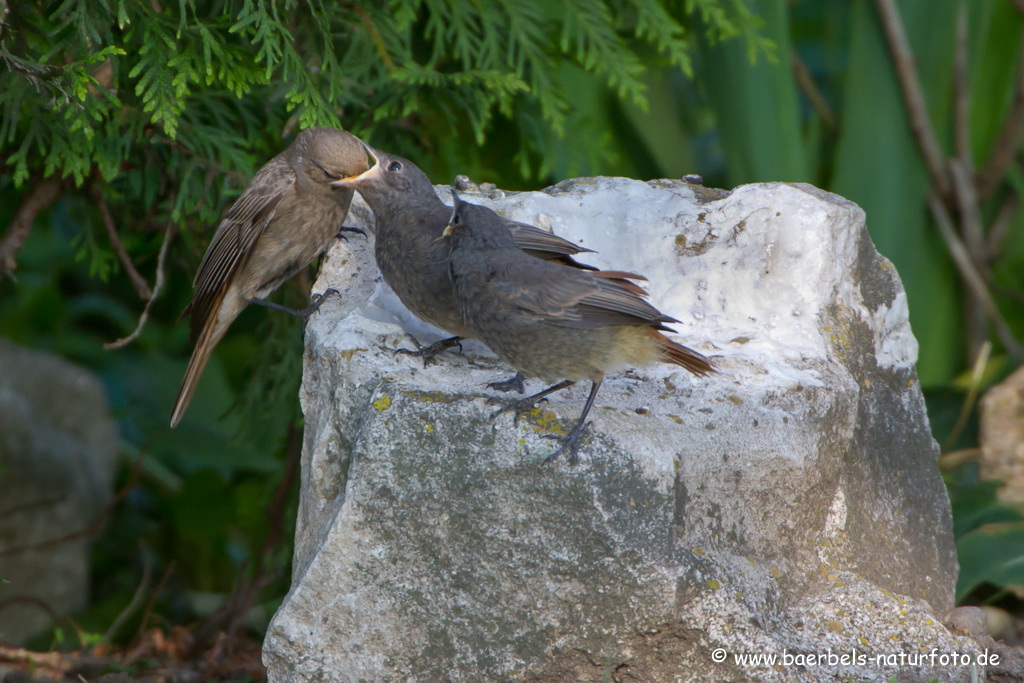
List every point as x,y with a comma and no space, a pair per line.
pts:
1000,227
157,286
913,95
1007,142
141,286
977,376
974,240
806,83
961,172
972,277
136,601
153,598
38,198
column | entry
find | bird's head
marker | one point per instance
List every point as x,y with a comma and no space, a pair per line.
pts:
324,155
389,176
476,225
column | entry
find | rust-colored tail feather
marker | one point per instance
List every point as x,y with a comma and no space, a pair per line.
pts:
680,355
208,338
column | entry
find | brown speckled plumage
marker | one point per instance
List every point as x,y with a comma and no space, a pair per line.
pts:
281,222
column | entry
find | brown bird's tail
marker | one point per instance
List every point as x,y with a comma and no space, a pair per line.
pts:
678,354
208,338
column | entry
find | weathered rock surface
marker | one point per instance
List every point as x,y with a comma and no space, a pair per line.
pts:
790,504
58,455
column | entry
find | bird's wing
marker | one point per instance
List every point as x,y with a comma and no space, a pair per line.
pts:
533,239
237,236
574,298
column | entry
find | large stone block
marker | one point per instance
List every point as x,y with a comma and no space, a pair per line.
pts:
58,455
791,503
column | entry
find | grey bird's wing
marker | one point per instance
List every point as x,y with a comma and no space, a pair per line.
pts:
533,239
236,237
574,298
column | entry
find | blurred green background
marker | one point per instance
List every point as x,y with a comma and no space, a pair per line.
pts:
161,112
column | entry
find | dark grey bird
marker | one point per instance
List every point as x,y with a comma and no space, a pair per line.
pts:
551,321
282,221
409,219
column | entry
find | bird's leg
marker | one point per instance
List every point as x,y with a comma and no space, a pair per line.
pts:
347,228
525,405
316,301
428,353
514,383
571,441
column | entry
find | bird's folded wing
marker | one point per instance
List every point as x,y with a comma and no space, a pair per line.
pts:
237,236
530,238
572,298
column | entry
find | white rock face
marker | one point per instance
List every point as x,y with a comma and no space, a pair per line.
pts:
791,503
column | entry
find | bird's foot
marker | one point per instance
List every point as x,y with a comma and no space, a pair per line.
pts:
348,228
525,405
570,443
512,384
517,408
429,353
315,302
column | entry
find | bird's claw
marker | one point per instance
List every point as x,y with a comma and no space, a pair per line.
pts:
429,353
348,228
315,302
570,442
518,408
512,384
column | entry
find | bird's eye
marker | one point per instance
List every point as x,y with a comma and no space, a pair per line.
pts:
456,220
395,166
332,176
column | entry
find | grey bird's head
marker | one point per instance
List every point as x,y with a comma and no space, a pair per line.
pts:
323,155
392,180
476,227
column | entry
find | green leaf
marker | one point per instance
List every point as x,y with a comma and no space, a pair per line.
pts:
992,554
755,103
995,41
879,166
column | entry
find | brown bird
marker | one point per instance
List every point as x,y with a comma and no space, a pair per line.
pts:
548,320
283,220
410,219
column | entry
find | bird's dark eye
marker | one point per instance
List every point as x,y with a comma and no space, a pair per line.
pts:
332,176
456,220
395,166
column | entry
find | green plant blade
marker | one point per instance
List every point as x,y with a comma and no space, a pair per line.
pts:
879,166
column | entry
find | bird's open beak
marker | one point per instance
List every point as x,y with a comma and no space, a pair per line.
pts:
356,180
447,233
